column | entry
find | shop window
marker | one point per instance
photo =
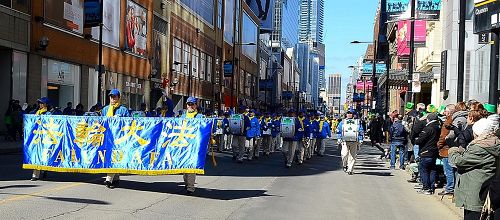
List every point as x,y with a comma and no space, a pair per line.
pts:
177,54
195,63
19,5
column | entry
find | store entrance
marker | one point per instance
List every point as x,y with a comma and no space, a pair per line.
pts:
59,95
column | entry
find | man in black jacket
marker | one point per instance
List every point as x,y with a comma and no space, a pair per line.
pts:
428,153
398,140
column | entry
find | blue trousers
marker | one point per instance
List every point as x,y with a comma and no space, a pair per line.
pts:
402,150
427,168
450,176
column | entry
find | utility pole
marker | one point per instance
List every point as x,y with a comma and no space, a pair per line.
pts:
374,73
100,68
493,93
409,94
461,52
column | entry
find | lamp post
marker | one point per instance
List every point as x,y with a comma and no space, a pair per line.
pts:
374,66
364,84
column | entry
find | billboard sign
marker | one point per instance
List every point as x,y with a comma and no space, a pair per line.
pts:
228,68
92,13
486,16
110,25
403,37
136,29
264,10
397,9
428,9
368,67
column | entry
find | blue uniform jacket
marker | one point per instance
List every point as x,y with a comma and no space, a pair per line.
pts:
360,131
325,131
314,128
119,112
254,129
265,126
304,132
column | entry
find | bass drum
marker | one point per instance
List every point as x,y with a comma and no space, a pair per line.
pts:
288,127
236,124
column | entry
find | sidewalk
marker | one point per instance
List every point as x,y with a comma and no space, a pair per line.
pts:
10,146
446,200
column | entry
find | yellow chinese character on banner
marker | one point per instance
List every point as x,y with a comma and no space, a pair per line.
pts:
93,134
47,133
132,132
182,135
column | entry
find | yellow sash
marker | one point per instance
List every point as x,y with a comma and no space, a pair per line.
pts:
301,120
41,111
111,110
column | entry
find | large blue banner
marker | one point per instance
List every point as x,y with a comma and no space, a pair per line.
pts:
144,146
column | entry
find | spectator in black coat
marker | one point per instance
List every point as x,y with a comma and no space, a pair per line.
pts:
464,136
428,153
376,133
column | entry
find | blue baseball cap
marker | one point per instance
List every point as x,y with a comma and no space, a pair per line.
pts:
192,100
114,92
44,100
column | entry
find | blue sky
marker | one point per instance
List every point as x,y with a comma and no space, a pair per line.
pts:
346,21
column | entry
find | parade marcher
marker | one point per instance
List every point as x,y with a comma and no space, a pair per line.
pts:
275,132
267,125
239,137
114,109
428,153
303,144
43,109
314,135
191,112
322,133
398,140
290,142
228,137
219,132
350,137
252,134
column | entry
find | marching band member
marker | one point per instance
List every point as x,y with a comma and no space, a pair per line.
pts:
290,139
228,137
303,144
219,132
114,109
314,135
191,112
239,136
253,133
43,109
276,133
267,124
323,132
350,136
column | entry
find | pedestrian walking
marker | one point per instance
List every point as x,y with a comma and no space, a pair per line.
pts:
267,139
398,142
253,133
239,126
350,137
114,109
291,137
228,137
323,132
275,133
314,135
376,133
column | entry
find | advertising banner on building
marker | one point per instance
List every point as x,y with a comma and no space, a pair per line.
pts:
264,10
403,37
111,24
92,13
398,10
136,29
204,9
428,9
368,67
65,14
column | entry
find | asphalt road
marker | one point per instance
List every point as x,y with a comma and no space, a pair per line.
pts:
262,189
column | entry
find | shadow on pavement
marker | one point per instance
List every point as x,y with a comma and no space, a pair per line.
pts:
17,186
78,200
375,173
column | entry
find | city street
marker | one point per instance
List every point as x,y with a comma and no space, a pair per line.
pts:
259,189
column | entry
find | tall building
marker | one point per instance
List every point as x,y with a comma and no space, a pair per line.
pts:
334,90
311,21
311,33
